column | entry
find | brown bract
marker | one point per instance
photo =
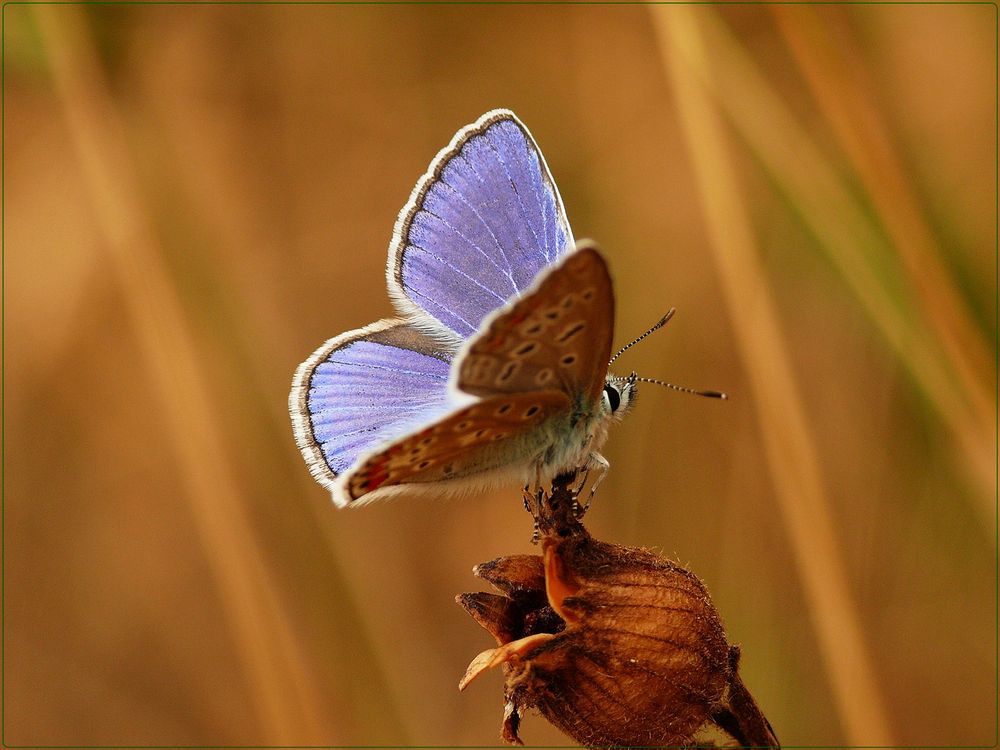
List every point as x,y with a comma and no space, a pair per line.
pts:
616,646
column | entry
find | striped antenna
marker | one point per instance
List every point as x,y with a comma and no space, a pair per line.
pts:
662,322
682,389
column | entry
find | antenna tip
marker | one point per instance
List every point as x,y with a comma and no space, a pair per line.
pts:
716,394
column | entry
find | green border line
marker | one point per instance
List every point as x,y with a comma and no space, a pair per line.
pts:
501,2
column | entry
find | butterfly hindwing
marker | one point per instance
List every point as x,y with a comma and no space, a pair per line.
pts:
484,437
479,226
558,336
364,388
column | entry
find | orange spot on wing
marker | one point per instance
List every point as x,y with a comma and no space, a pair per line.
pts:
377,479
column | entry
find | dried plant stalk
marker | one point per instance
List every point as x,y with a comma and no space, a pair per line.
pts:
614,645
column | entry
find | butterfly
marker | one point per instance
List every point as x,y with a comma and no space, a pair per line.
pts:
496,370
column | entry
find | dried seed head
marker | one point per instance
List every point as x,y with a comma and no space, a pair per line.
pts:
616,646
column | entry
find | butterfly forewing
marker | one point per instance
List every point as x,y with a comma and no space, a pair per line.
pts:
557,336
484,437
479,226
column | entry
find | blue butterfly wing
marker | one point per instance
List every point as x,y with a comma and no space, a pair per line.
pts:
364,389
479,226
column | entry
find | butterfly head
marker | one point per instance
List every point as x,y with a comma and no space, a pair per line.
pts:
619,395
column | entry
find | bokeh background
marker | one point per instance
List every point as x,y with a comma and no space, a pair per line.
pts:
196,196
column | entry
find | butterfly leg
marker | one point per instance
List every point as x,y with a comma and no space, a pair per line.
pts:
583,474
533,504
600,463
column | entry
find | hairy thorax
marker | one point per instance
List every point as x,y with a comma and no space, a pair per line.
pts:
570,443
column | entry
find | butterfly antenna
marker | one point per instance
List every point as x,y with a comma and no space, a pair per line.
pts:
682,389
662,322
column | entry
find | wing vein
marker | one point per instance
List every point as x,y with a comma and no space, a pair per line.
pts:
393,370
459,271
471,244
418,293
510,269
520,200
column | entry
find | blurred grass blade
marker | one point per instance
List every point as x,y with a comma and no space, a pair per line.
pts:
788,444
843,91
277,672
208,175
853,243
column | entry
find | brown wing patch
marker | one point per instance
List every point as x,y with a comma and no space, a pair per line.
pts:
557,336
467,442
405,336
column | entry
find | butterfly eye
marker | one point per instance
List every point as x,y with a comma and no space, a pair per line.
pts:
614,398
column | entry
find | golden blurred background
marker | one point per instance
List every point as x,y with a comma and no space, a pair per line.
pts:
196,196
